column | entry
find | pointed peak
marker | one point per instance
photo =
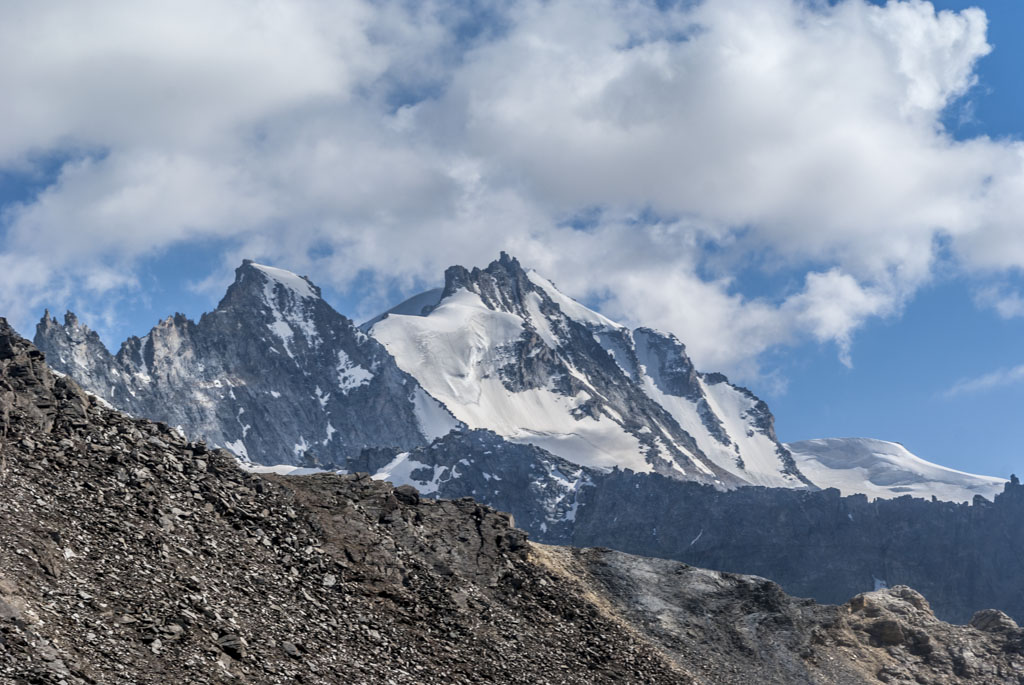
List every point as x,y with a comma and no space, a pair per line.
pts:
300,285
47,320
71,321
506,260
671,338
253,280
504,273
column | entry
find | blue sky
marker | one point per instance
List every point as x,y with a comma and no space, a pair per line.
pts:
820,199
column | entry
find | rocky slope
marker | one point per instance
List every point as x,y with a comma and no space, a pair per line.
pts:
727,628
129,555
963,556
273,373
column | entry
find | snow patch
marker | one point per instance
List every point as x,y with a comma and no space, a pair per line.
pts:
400,469
238,448
350,374
293,282
456,353
284,469
435,421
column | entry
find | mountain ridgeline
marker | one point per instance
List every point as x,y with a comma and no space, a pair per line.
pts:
500,387
499,349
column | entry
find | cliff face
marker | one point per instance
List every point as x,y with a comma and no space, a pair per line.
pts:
818,544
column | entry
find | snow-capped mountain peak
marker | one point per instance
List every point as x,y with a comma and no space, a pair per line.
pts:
505,350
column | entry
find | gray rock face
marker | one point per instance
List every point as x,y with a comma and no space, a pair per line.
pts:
273,373
542,491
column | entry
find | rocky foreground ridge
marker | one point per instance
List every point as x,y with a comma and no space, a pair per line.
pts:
129,555
963,557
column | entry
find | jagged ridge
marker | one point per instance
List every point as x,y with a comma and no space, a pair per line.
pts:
273,373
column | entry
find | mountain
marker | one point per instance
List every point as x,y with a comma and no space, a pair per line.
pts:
528,377
279,377
878,468
130,555
504,350
273,373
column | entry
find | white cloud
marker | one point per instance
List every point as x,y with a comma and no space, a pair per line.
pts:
988,381
1007,303
782,135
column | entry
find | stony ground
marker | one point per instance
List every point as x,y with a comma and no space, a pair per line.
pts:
128,555
726,628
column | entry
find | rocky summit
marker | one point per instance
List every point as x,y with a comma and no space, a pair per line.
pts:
273,373
129,554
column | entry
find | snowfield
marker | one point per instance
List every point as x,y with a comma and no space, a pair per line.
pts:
881,469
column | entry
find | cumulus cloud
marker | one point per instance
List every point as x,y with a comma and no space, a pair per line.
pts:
700,141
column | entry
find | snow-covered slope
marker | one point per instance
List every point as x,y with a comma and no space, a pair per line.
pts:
506,351
877,468
273,374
